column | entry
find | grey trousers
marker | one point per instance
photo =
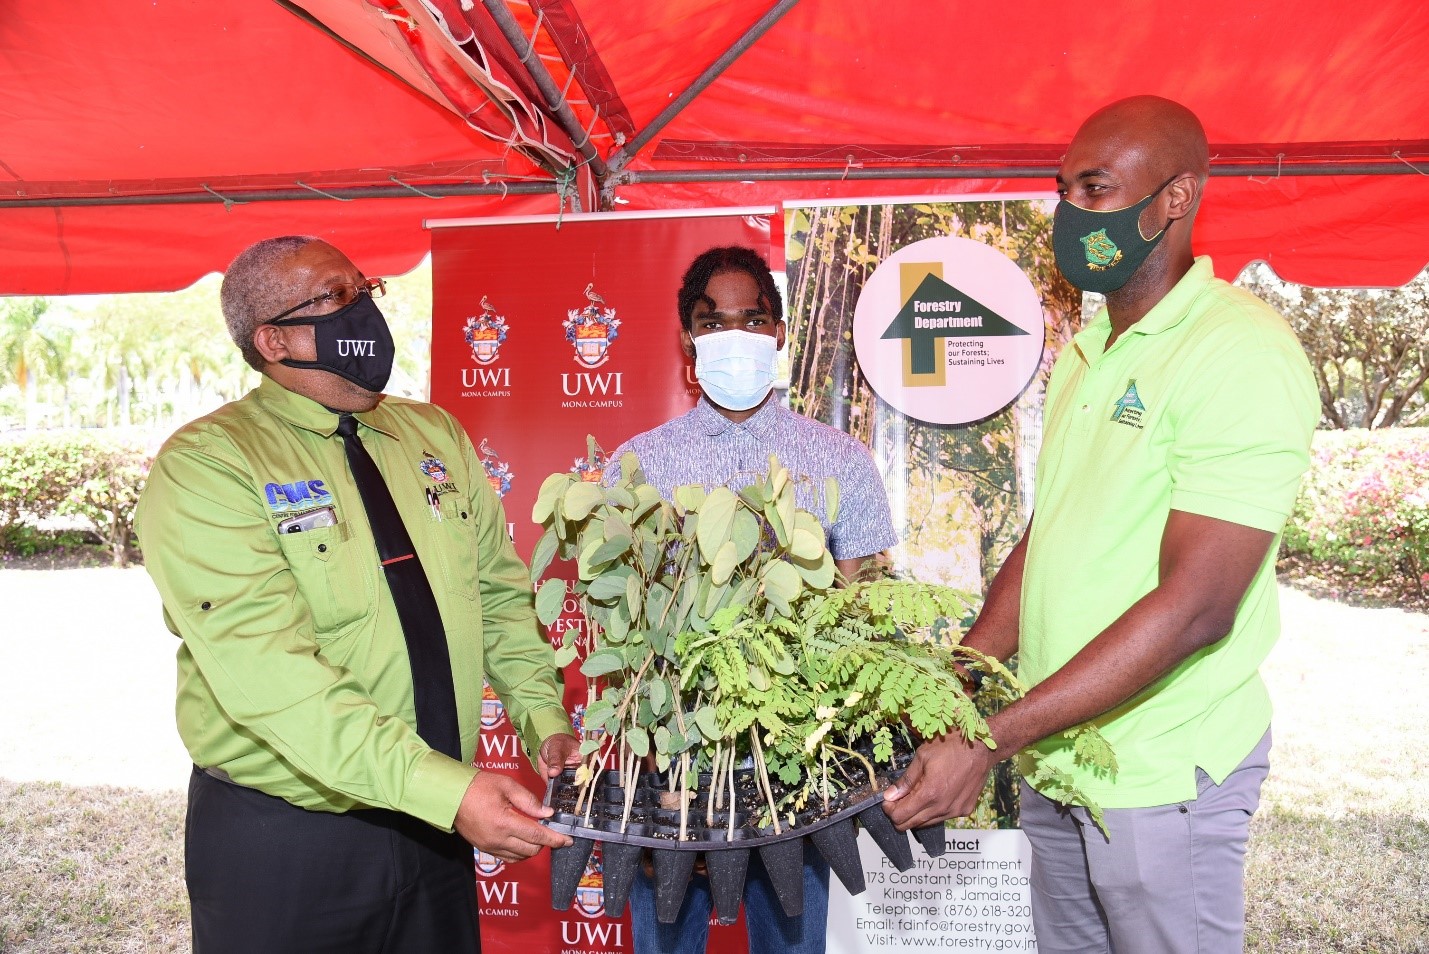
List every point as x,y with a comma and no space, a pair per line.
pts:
1170,880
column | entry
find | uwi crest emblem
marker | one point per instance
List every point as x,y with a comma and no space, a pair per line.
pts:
488,865
591,329
493,710
485,333
590,893
579,726
591,469
498,472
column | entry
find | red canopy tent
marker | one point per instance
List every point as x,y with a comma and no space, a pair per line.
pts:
144,142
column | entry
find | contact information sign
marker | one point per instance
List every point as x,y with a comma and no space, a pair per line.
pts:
975,897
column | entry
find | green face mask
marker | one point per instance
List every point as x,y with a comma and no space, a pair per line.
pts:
1100,251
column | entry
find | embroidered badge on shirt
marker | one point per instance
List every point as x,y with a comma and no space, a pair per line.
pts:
1128,408
297,495
433,468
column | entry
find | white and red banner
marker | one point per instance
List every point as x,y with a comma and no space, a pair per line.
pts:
547,330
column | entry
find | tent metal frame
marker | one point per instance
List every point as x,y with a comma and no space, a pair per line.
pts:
781,162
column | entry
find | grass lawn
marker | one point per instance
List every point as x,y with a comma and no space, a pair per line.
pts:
1339,858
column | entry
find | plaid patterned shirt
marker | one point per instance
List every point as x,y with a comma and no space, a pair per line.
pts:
704,447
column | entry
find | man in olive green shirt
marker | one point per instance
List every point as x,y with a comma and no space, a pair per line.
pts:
318,818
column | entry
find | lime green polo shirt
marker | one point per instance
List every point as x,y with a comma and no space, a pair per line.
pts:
1206,405
293,674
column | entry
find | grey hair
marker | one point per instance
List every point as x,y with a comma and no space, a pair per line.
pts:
253,290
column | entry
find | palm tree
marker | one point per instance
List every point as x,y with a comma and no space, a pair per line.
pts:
29,347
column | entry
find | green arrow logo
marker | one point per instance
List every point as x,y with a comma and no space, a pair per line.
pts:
938,310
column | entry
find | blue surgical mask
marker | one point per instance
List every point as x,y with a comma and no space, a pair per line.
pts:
736,369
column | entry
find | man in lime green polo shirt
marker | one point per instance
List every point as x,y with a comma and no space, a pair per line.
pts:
1142,596
319,819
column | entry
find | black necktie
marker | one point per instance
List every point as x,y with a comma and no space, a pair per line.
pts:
416,606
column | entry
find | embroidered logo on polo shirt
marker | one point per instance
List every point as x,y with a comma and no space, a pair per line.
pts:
1128,408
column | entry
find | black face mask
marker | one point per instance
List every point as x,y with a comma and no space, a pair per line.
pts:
352,342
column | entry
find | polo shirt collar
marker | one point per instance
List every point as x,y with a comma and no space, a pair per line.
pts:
308,414
712,423
1166,314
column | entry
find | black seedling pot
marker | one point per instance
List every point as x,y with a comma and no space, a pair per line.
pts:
726,853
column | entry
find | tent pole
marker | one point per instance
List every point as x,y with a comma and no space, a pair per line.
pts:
286,195
555,99
1268,169
621,157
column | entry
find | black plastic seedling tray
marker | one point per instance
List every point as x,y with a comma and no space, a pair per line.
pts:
726,853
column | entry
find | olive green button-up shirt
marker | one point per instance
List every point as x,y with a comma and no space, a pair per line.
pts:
293,674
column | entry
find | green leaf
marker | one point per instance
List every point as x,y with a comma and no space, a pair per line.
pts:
806,545
662,740
609,585
565,656
819,574
598,712
580,500
745,534
619,497
776,523
781,579
659,696
550,596
689,497
602,662
831,500
610,549
647,498
707,722
754,495
716,519
543,554
590,745
632,597
714,600
724,563
615,526
617,626
547,496
656,599
758,678
638,740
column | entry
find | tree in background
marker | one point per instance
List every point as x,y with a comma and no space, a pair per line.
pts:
1369,347
966,487
32,346
153,361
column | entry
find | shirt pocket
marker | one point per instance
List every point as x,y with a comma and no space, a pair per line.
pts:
335,573
455,541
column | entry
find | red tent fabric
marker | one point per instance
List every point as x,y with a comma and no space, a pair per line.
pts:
370,107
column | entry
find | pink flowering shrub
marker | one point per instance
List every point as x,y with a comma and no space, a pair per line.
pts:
1364,506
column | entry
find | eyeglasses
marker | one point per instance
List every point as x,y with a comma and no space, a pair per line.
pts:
342,294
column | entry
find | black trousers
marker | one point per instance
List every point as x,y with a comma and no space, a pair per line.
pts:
266,876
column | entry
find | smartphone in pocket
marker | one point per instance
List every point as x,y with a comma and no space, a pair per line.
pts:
312,520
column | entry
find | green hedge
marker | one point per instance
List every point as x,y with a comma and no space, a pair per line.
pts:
1364,507
92,475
